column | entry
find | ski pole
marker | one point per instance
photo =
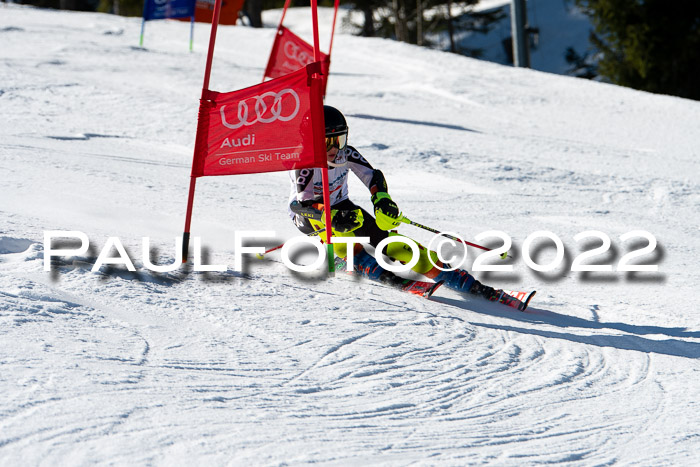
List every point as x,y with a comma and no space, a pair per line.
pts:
406,220
310,234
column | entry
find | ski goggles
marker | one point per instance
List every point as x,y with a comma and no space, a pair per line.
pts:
337,141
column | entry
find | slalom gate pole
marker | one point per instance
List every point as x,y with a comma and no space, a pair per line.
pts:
143,25
191,32
310,234
188,220
205,89
284,12
406,220
279,31
324,170
335,16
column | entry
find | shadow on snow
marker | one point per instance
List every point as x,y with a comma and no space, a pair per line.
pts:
413,122
632,339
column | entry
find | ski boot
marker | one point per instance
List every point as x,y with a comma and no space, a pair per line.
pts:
366,265
464,282
458,280
489,293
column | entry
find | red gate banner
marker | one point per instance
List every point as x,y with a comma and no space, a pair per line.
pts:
270,127
289,53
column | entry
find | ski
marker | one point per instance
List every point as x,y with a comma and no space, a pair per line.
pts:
516,299
423,289
512,298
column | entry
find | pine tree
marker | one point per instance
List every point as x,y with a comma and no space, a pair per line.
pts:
412,20
652,45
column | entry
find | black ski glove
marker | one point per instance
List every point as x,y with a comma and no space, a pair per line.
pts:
346,221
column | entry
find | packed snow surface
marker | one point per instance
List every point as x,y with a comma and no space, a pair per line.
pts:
266,366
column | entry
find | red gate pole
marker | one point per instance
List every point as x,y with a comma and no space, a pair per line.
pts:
324,169
277,34
284,12
205,89
335,16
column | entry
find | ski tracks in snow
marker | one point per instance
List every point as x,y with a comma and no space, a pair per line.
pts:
395,376
265,368
71,358
485,387
389,377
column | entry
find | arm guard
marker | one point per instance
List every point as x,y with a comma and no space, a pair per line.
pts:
378,183
306,209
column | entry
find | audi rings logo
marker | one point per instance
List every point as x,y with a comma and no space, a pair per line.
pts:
293,52
269,107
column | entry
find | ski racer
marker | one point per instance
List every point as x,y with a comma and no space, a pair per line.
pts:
349,220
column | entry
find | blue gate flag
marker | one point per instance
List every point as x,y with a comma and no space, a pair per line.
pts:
162,9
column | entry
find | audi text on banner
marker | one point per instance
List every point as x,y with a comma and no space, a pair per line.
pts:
263,128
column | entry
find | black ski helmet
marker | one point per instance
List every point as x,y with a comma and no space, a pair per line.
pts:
336,126
335,121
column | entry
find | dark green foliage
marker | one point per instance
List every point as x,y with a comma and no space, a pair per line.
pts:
272,4
78,5
371,26
479,22
122,7
404,21
582,66
652,45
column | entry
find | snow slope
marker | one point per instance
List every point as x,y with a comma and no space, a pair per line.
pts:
267,367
